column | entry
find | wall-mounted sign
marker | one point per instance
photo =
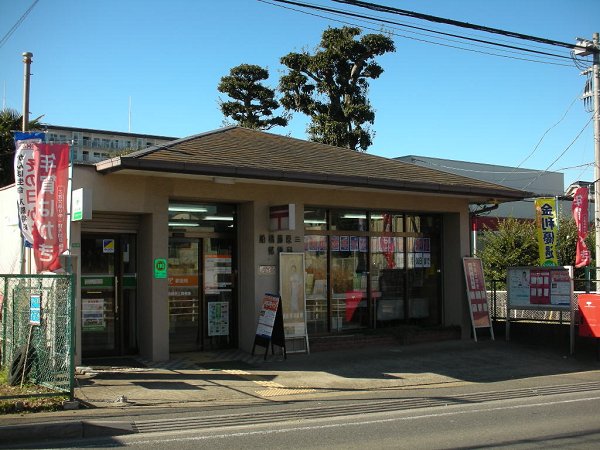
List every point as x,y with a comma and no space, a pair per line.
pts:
81,200
160,268
35,309
282,217
267,270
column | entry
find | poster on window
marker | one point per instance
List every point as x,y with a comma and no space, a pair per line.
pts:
218,318
92,314
217,274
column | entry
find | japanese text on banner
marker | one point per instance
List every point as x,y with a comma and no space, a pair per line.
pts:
50,217
24,167
579,208
545,209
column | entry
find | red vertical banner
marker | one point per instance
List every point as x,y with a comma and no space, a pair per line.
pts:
51,162
579,209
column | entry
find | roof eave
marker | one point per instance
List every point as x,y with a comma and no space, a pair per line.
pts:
127,163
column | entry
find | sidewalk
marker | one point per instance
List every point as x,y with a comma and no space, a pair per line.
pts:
112,392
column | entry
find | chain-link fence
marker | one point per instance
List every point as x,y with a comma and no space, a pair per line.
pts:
38,329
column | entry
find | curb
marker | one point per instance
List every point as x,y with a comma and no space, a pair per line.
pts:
52,431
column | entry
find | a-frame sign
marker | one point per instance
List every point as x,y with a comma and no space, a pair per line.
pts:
269,330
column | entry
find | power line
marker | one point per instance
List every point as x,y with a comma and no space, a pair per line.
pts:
363,17
403,12
562,153
16,25
425,29
545,133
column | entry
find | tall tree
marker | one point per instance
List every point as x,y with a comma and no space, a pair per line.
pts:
11,120
331,86
253,103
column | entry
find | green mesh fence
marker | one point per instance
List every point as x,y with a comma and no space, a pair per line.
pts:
38,314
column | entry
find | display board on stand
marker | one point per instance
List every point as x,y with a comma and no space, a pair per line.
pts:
542,288
269,331
477,296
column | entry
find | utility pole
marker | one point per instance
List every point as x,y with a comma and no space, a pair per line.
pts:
26,75
25,255
585,48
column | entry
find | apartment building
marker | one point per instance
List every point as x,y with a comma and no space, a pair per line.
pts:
91,146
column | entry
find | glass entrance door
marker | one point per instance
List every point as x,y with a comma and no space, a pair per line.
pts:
108,295
201,286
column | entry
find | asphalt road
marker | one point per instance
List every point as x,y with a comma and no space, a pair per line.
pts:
566,420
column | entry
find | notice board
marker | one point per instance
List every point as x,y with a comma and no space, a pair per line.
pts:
542,288
539,288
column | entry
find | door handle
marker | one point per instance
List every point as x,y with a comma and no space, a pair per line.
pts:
116,297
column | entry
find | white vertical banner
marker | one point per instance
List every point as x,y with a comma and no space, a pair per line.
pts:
25,181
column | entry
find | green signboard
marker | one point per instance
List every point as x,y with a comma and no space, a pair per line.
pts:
160,268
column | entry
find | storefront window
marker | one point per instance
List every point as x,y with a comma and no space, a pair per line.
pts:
424,271
384,269
315,219
388,279
315,248
349,269
348,220
215,218
387,222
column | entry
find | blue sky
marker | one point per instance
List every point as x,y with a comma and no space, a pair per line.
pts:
91,57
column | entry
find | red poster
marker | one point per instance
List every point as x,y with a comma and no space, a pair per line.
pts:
539,287
51,165
579,208
476,292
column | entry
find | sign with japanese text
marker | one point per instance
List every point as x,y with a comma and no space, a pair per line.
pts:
544,287
545,210
25,181
476,292
266,319
51,163
579,209
218,318
41,177
35,309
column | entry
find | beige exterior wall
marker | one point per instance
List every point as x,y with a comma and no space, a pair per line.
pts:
148,195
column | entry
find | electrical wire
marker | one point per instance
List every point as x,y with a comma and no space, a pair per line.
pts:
378,20
392,10
16,25
545,133
562,153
